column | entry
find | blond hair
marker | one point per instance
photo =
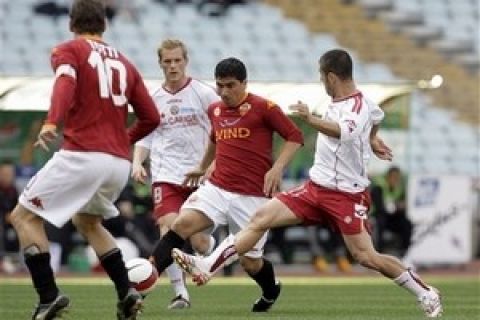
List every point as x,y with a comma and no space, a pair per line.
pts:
170,44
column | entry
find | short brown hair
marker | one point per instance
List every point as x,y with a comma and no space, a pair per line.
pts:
170,44
338,62
87,17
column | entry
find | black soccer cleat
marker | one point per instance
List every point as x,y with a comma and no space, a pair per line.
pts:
130,306
49,311
263,304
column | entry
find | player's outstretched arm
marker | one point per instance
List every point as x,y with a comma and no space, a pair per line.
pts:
329,128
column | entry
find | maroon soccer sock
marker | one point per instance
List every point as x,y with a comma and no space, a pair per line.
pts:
113,264
42,276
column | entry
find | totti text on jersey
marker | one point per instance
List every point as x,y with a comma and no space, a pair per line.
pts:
232,133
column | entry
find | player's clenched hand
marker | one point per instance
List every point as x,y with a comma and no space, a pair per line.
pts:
139,174
273,179
193,178
380,149
48,134
301,110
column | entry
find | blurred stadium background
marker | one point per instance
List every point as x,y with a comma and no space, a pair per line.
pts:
420,59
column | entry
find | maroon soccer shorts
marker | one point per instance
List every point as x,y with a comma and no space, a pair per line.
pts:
168,198
341,211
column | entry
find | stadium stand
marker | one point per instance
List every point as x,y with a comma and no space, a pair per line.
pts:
281,40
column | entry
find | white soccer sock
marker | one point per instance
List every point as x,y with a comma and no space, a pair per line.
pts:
411,282
175,274
224,255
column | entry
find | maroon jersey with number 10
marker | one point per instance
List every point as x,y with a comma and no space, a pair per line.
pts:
105,82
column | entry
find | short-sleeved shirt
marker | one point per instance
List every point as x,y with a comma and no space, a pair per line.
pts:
244,142
105,83
341,163
179,143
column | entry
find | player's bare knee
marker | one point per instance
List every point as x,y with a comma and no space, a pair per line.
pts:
21,218
260,221
183,227
251,265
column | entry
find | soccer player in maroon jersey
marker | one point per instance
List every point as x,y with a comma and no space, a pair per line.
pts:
245,175
94,84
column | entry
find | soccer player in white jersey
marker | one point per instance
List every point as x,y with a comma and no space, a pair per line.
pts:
175,148
336,193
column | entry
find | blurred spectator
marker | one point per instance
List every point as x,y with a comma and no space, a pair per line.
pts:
128,10
389,205
53,8
323,240
216,8
8,201
278,240
56,8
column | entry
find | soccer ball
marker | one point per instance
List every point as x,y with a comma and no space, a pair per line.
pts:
142,274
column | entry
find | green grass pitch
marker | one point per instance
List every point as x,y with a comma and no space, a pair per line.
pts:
349,298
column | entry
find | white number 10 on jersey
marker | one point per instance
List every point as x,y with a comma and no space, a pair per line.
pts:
105,77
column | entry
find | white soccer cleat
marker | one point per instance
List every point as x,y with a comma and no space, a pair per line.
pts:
431,303
179,302
192,265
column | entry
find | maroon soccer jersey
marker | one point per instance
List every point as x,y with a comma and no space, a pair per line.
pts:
244,139
102,82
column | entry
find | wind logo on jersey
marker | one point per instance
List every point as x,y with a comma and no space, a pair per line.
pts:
351,125
232,133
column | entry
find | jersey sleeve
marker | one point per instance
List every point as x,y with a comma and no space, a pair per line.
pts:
377,114
64,65
281,123
353,119
64,60
145,111
210,117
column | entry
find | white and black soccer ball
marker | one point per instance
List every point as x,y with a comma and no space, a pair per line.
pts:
142,275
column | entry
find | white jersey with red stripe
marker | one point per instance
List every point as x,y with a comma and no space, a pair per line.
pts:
179,142
341,163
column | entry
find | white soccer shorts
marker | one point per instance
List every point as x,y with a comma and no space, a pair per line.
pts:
74,182
227,208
